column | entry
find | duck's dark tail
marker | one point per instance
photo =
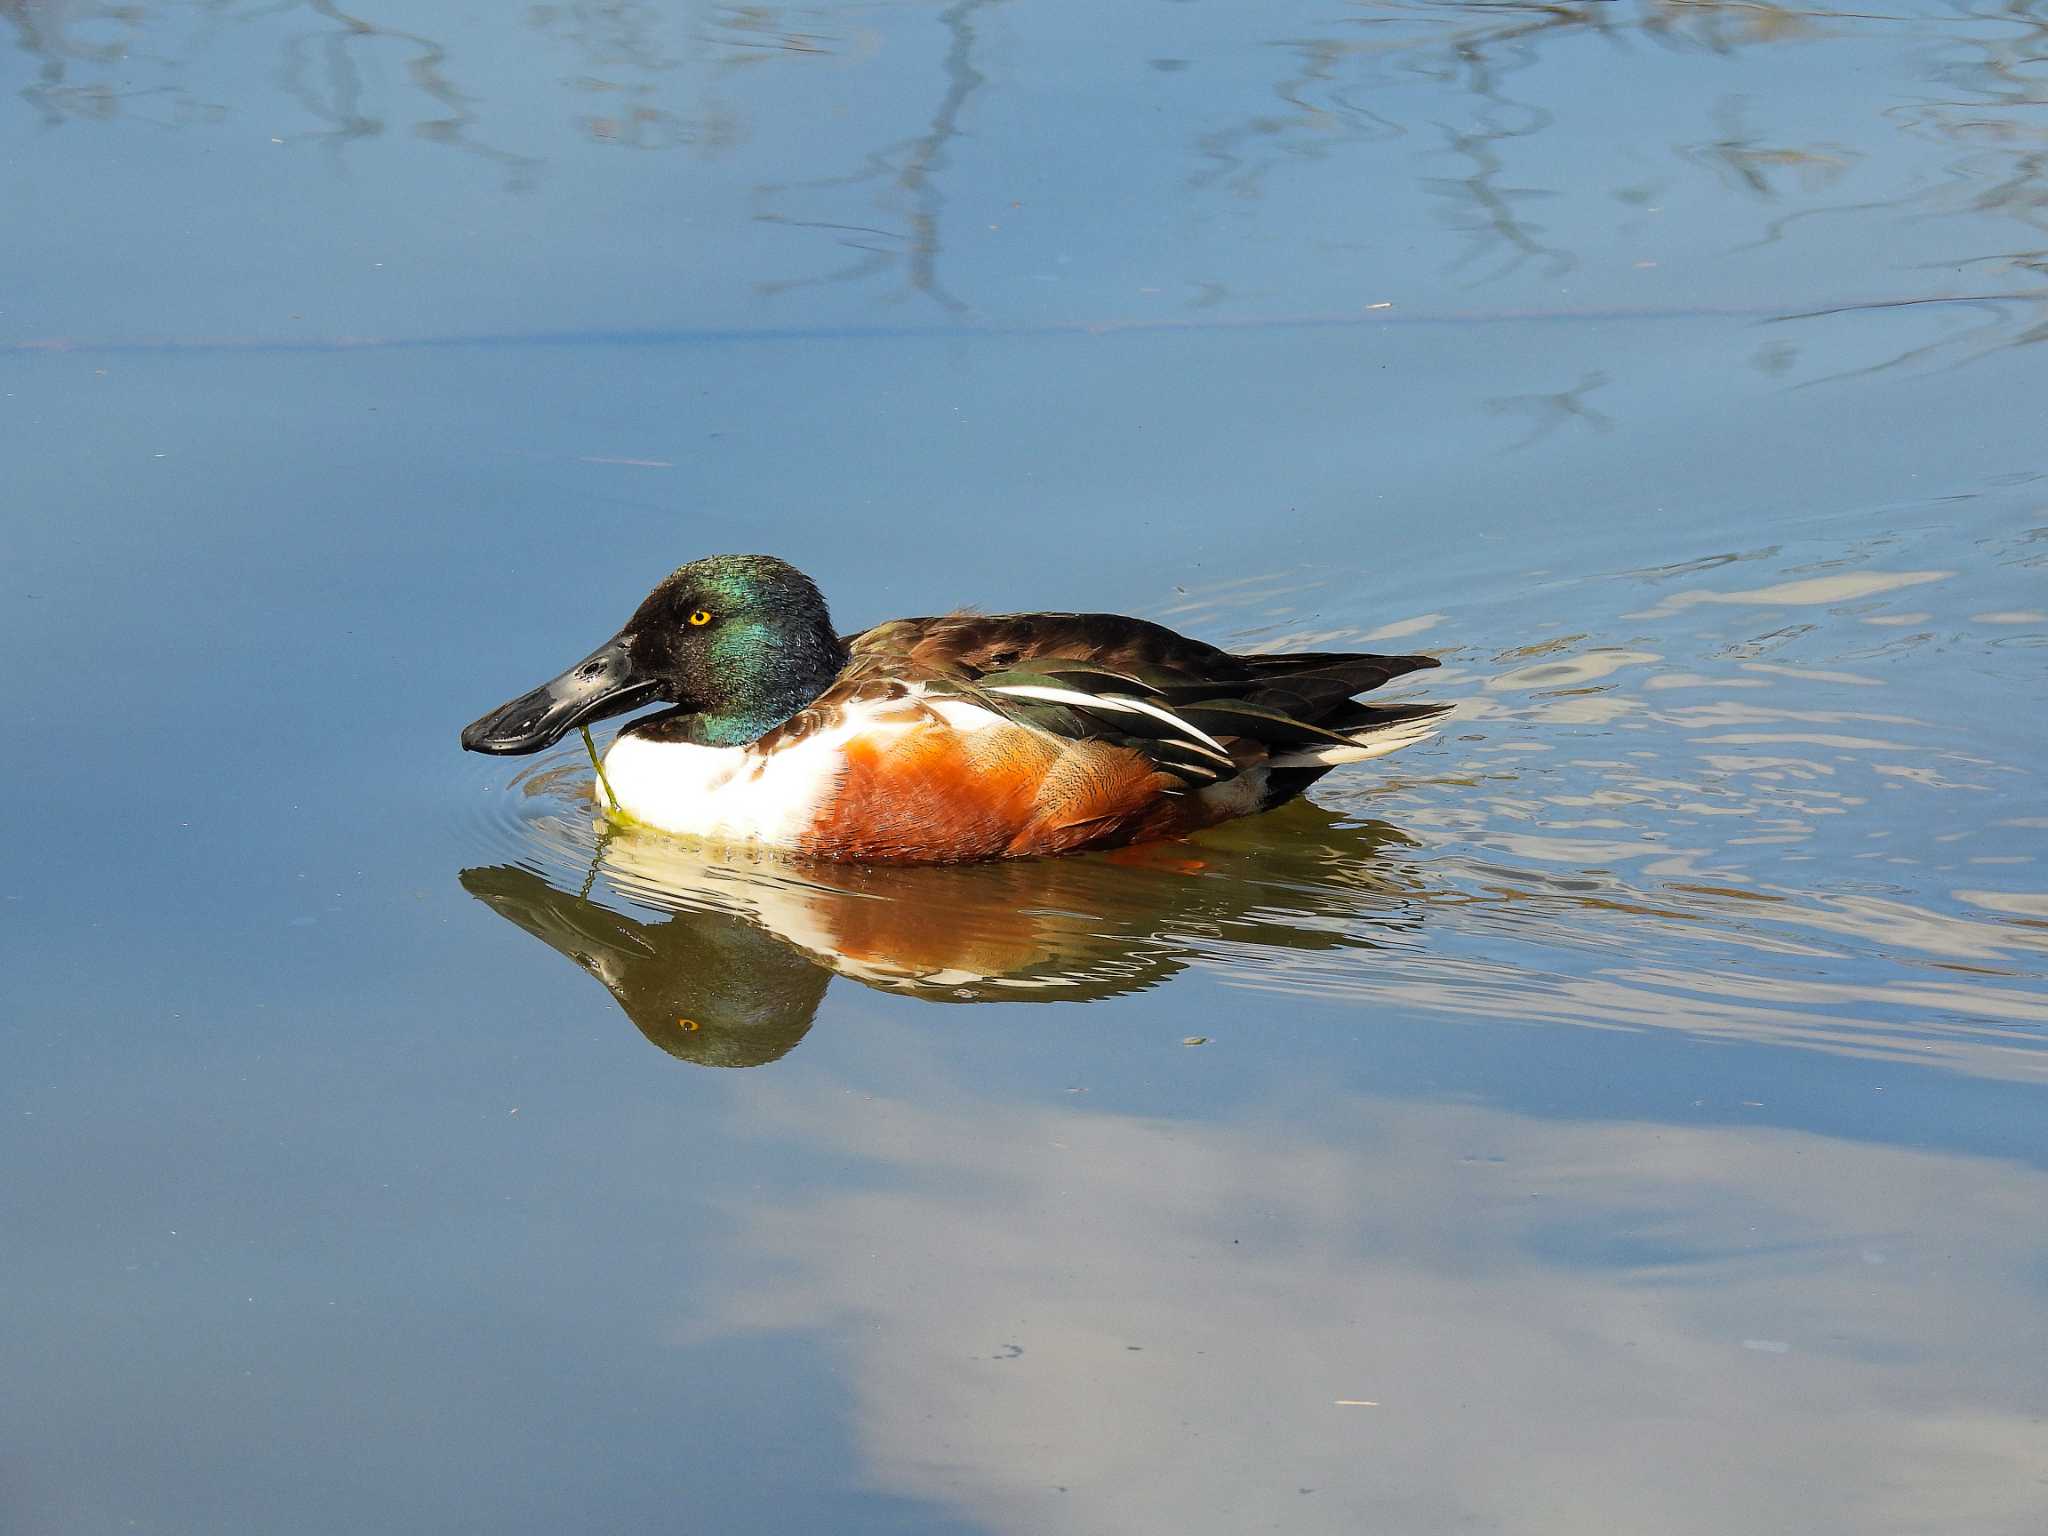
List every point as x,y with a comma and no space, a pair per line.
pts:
1317,690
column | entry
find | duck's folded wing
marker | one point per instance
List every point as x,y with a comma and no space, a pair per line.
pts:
1081,701
1196,712
1197,729
990,642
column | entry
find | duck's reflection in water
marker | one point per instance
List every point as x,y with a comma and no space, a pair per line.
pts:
728,963
711,987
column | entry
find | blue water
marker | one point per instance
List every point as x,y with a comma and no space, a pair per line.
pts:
1624,1112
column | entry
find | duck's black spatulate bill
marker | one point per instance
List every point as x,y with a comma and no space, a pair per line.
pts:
602,684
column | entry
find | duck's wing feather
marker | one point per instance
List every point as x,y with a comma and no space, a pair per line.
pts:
1194,711
990,642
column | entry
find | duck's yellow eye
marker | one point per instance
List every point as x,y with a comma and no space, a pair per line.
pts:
700,618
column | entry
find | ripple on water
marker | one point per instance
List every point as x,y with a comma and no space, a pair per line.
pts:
1813,858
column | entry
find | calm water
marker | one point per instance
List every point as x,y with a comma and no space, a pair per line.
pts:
1627,1112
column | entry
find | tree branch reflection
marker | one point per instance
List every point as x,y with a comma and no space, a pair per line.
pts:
1458,101
907,190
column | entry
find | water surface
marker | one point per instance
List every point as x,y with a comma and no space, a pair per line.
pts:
1622,1112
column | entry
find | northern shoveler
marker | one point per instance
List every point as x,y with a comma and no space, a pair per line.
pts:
938,740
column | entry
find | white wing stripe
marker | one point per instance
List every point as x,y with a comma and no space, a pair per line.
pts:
1366,744
1113,701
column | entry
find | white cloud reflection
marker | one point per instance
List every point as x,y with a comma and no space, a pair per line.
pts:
1057,1320
1817,591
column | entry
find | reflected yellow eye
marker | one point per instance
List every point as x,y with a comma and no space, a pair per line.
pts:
700,618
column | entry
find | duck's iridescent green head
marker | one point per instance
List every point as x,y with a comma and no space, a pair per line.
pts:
736,643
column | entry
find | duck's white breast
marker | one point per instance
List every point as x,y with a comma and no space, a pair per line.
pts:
721,792
736,793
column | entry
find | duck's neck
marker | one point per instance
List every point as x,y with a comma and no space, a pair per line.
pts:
766,693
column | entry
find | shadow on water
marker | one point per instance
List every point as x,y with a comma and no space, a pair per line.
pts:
731,971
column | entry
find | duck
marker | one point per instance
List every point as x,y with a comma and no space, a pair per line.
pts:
948,739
